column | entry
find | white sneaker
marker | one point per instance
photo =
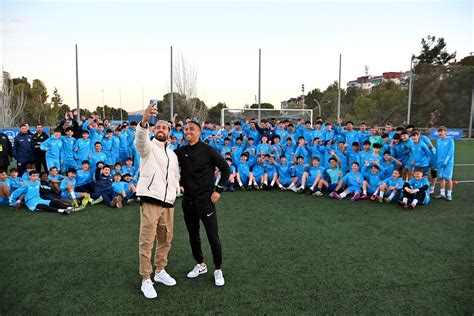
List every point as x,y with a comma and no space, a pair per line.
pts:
219,278
165,278
197,270
148,289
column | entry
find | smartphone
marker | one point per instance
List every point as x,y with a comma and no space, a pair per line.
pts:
153,103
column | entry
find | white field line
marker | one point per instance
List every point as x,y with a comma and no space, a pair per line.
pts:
464,165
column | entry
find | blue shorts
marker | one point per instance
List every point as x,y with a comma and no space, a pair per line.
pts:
371,189
332,187
53,162
353,189
68,164
446,172
4,200
310,181
244,178
285,181
66,195
395,197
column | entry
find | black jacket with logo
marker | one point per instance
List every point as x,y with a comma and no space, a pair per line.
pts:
6,150
198,164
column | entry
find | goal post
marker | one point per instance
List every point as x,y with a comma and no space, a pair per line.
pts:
293,115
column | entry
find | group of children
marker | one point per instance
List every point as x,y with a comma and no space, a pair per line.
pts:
383,166
392,165
72,190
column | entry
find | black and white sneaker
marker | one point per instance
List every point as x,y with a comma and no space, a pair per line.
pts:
66,211
197,270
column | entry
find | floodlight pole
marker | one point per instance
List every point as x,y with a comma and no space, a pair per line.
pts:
171,84
259,82
410,88
339,90
302,95
472,112
120,100
103,104
77,90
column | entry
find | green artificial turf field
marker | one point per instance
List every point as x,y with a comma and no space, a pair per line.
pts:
283,253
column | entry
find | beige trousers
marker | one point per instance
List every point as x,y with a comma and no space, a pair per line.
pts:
156,224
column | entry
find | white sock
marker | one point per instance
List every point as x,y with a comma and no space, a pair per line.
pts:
381,194
280,186
217,181
415,201
450,192
365,191
292,185
272,184
73,194
442,192
432,187
311,188
343,194
240,184
404,200
391,196
250,182
301,187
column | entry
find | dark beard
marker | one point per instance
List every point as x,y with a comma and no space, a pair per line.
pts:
161,138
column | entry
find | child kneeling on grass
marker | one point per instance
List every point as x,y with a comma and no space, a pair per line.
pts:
123,188
67,186
103,187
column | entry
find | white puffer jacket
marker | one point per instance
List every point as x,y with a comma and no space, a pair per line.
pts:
159,168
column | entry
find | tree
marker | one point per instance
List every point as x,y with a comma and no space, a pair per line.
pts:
430,74
433,52
185,80
467,61
180,105
385,103
55,114
329,102
214,113
111,113
262,106
309,99
12,103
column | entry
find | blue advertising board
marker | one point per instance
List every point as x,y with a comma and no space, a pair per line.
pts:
12,132
451,133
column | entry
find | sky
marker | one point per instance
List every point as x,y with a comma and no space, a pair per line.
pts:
124,46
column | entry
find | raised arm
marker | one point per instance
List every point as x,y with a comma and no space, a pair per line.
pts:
142,140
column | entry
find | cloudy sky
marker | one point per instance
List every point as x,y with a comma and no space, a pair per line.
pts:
124,46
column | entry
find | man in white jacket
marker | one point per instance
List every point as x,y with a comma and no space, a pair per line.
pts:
157,186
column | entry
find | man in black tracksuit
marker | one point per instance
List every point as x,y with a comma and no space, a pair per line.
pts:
23,148
40,155
6,151
198,162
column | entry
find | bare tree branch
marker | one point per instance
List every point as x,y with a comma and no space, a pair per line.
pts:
10,107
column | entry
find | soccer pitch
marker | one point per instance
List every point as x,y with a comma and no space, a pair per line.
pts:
283,254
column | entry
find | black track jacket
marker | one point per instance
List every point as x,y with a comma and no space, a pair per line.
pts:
198,164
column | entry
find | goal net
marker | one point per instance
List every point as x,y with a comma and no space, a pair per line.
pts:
233,115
